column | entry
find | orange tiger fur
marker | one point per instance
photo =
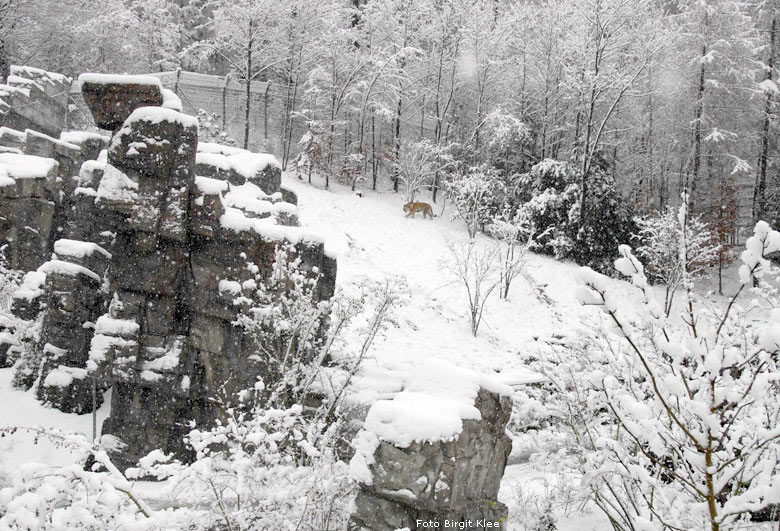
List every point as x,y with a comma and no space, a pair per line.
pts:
414,207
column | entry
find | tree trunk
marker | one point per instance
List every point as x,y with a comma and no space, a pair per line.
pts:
248,88
332,120
650,151
584,169
759,192
441,111
5,63
422,119
544,124
439,119
224,102
292,118
373,153
697,135
397,144
287,126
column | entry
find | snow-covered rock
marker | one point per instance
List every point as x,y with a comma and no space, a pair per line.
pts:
112,98
435,451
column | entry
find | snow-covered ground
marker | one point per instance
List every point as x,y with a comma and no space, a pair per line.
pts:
374,242
22,410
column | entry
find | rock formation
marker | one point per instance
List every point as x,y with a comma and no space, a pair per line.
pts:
130,259
433,456
34,99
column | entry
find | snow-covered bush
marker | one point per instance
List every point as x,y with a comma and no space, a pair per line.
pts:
282,313
672,245
551,197
550,191
512,251
27,364
210,129
675,422
312,145
264,468
9,281
536,510
272,469
474,195
353,169
42,497
605,223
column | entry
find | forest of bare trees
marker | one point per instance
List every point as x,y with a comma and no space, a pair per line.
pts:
662,96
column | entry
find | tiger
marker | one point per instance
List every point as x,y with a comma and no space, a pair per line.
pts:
415,207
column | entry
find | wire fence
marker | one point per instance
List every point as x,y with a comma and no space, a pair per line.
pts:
226,98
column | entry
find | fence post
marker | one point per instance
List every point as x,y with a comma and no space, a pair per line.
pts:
265,110
224,102
176,83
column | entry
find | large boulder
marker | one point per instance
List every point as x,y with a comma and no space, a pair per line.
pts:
241,167
56,86
112,98
156,148
91,144
28,190
434,454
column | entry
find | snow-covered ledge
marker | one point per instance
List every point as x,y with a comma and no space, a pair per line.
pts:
434,452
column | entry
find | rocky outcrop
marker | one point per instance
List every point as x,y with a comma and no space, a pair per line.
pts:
38,180
38,170
34,99
139,346
434,455
168,343
28,187
139,261
73,300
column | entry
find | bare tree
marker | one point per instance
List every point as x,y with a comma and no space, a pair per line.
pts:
609,61
474,268
512,251
418,164
246,37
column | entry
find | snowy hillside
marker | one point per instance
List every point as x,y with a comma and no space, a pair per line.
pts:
390,265
375,244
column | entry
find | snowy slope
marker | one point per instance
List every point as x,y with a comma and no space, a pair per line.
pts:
374,242
22,410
